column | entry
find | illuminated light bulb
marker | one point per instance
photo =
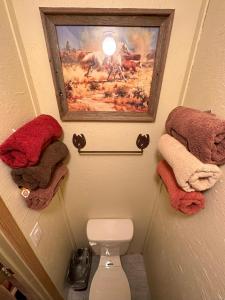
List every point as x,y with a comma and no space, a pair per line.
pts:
109,45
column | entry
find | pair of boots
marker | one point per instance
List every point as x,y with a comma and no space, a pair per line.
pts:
79,269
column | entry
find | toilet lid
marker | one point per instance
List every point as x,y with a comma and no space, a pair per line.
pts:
111,284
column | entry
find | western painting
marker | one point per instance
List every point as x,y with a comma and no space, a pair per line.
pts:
107,69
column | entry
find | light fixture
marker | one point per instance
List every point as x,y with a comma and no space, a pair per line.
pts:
109,45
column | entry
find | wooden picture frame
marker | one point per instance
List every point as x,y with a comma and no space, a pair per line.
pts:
114,88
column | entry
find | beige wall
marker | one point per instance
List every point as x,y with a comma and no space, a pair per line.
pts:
104,187
15,109
185,255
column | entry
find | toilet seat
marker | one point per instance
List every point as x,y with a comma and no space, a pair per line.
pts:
110,283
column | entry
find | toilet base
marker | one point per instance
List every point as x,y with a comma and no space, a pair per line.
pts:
110,281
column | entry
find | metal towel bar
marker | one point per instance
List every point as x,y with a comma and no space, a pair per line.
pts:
142,142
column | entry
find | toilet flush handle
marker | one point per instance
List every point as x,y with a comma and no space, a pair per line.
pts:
92,244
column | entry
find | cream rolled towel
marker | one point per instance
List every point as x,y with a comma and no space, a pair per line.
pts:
191,174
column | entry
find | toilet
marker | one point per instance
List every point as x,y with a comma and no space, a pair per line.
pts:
110,238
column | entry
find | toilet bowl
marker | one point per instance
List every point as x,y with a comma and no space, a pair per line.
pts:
110,238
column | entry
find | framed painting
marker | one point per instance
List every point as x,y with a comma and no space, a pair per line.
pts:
107,64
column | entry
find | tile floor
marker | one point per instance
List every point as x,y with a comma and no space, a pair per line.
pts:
134,268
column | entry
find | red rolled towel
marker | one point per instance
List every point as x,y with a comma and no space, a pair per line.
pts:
41,198
202,133
187,202
23,147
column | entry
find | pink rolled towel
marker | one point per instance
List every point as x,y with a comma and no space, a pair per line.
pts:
202,133
187,202
23,148
41,198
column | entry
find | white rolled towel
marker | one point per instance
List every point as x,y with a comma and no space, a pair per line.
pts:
191,174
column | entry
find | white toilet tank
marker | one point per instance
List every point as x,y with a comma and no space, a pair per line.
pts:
110,236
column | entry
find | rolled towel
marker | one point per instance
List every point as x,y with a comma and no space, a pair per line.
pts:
41,198
23,148
187,203
191,174
202,133
39,176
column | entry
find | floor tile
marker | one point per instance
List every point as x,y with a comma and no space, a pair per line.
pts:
133,266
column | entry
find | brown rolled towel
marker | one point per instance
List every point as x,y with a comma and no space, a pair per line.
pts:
39,176
41,198
202,133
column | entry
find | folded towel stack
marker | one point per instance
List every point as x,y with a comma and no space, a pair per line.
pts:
35,155
193,147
